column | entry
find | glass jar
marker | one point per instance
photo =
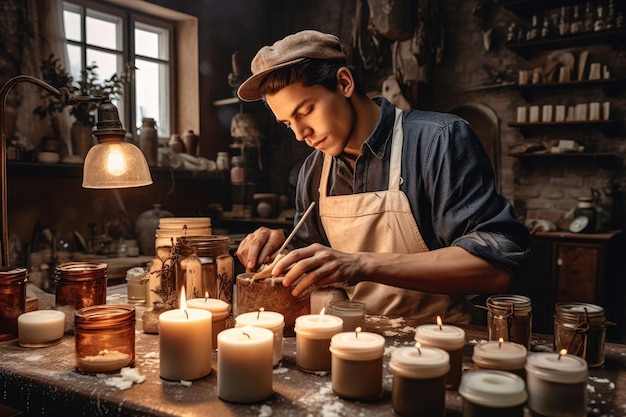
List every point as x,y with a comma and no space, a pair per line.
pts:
105,338
351,312
12,300
78,285
581,329
237,174
510,318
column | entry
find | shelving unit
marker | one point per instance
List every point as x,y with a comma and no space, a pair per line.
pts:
610,87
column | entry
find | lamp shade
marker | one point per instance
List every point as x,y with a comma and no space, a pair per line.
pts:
115,165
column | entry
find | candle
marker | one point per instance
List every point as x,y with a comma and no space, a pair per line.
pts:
357,365
40,328
219,310
509,318
418,386
351,312
500,355
268,320
313,333
185,342
556,384
104,361
449,338
492,393
244,364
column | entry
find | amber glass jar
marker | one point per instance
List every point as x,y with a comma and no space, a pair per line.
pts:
510,318
581,329
105,338
12,300
78,285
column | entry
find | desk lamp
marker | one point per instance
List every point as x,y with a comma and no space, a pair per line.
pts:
112,163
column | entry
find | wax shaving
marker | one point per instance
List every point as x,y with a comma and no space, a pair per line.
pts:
127,377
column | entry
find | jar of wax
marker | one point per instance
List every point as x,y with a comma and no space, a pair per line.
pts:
12,300
313,333
219,310
418,387
449,338
105,338
581,329
136,285
217,266
556,384
510,318
40,328
79,285
492,394
351,312
505,356
244,364
357,365
268,320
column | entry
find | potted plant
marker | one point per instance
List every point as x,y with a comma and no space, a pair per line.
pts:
83,111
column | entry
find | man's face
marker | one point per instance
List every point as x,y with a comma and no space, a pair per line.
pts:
323,119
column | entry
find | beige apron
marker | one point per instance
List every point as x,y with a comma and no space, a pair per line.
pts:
382,221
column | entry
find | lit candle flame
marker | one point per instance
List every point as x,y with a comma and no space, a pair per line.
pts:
562,352
183,302
418,345
500,340
440,323
357,331
245,330
258,316
322,311
206,296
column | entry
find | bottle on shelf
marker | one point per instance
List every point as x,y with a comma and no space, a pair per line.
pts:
564,23
576,25
599,23
610,16
589,18
533,33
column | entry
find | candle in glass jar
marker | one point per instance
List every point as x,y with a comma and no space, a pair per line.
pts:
268,320
351,312
219,311
245,364
40,328
105,361
185,342
556,384
313,333
418,386
492,393
446,337
500,355
357,365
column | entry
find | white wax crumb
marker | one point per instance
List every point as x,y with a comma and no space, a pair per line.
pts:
591,388
612,385
332,409
280,370
151,355
132,374
127,377
265,411
34,358
118,382
185,383
600,380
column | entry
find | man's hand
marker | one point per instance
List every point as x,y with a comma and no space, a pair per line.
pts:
258,246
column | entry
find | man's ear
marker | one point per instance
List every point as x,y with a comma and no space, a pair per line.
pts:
345,82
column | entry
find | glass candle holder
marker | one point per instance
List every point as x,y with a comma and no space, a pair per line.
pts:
79,285
492,393
581,329
510,318
105,338
351,312
12,300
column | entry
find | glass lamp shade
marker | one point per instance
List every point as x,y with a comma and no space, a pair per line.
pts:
115,164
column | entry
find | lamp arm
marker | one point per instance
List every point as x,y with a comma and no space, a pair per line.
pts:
66,98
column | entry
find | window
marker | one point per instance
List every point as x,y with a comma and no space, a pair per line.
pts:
110,38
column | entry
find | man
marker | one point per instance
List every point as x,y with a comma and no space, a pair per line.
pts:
407,216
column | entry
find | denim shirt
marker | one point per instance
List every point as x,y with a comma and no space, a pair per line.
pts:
446,176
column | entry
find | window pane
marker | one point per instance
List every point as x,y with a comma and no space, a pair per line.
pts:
107,63
73,54
72,24
103,33
151,41
152,94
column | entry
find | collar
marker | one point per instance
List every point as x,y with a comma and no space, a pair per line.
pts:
382,134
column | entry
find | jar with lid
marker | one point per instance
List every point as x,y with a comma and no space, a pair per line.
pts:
581,329
105,338
79,285
510,318
12,300
222,161
237,172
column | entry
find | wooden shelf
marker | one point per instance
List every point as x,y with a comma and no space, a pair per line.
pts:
608,127
526,8
611,87
605,159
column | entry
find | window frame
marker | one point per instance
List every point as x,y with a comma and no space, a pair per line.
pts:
129,18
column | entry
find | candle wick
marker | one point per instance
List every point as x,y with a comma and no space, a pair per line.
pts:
440,328
258,316
186,314
247,335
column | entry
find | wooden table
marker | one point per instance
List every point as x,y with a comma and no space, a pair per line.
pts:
45,382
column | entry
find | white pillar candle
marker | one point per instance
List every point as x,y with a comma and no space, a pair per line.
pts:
219,310
492,393
185,343
40,328
313,333
244,364
503,356
357,365
446,337
268,320
556,384
418,386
